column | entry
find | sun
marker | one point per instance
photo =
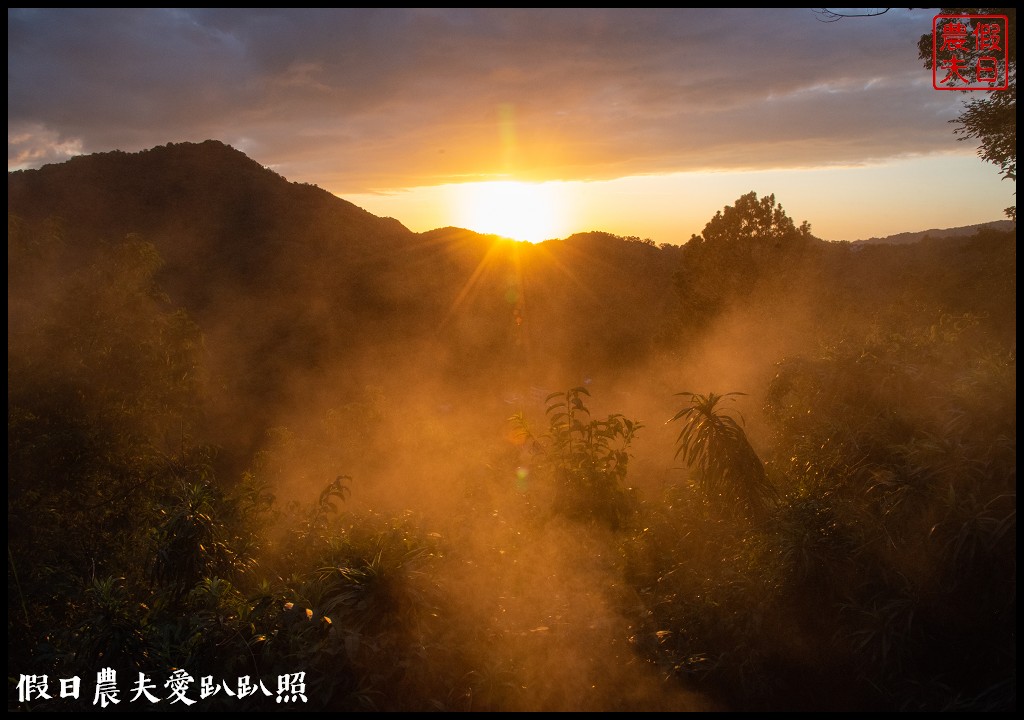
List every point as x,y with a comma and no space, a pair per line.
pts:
532,212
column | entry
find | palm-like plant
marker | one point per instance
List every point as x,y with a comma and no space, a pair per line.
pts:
726,465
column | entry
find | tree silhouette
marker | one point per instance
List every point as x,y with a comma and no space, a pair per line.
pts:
740,246
752,219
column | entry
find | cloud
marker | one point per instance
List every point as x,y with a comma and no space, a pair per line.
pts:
358,100
33,145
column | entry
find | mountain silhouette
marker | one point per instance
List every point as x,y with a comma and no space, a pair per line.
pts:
285,277
907,238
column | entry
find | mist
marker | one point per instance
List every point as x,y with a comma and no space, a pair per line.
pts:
257,431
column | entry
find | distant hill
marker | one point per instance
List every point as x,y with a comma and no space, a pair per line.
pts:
913,237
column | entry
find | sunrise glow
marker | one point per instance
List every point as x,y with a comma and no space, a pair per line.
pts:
531,212
534,359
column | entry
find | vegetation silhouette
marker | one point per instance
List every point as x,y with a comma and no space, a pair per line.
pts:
196,347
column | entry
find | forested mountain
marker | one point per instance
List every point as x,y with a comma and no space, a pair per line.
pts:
254,430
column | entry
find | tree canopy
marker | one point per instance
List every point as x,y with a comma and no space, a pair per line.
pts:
742,245
751,219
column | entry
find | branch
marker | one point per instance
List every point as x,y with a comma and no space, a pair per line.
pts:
830,16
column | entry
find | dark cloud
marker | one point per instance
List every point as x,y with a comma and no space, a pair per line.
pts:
359,99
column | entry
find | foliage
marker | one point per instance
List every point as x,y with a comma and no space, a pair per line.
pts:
926,490
125,548
588,457
884,574
751,219
727,467
743,247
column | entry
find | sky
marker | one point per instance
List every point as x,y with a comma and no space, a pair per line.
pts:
532,123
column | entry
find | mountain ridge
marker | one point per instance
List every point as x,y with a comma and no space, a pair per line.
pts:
907,238
187,156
